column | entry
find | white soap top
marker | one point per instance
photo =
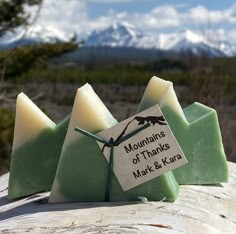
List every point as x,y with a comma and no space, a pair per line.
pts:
161,92
30,121
89,113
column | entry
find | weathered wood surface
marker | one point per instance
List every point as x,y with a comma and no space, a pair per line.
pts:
199,209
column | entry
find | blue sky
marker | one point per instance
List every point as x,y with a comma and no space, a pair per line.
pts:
150,16
98,8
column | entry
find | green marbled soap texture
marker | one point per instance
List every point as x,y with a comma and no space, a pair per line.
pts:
82,177
201,142
34,164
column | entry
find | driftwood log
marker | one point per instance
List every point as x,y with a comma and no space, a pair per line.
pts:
199,209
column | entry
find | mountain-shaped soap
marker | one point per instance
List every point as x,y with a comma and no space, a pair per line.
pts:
36,149
197,131
82,172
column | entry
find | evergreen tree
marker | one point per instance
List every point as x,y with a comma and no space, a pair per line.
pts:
13,15
29,57
14,62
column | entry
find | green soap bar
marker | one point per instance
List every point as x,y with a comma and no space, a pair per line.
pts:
197,131
36,149
83,178
83,170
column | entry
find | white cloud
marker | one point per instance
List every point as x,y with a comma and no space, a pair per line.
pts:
72,16
160,17
232,14
64,15
200,15
170,16
224,35
164,16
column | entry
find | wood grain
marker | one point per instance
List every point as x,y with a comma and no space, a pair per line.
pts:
199,209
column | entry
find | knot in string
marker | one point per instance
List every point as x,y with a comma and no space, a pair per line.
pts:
111,144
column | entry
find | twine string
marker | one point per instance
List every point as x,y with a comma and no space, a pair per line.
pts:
111,144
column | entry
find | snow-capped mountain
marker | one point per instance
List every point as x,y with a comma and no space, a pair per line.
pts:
188,41
123,34
126,35
116,35
36,34
228,48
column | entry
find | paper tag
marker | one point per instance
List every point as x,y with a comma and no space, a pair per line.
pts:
146,155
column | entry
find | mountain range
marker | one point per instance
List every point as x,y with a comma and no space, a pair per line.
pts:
36,34
125,35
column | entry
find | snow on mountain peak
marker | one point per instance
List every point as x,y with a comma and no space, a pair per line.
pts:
126,35
184,37
128,28
36,34
190,36
47,33
118,34
123,34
